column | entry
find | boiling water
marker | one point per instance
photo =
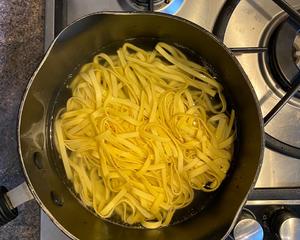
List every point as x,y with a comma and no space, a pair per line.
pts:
201,199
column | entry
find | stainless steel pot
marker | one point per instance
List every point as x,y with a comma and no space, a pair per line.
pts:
43,170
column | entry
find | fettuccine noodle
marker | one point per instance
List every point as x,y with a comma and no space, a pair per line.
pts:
142,131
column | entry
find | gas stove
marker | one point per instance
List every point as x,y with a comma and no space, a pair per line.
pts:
264,35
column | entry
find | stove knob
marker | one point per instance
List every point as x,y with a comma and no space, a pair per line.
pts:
285,225
248,228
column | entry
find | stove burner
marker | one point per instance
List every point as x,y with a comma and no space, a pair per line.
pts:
297,50
145,3
283,64
165,6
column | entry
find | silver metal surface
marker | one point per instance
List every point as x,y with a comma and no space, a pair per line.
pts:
272,202
266,73
290,229
49,231
201,12
248,229
49,22
19,195
247,27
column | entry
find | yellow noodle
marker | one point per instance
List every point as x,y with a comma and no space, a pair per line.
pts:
142,131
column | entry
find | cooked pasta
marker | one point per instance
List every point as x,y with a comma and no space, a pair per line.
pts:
142,131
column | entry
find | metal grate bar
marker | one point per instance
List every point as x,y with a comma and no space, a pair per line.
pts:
282,102
292,193
151,5
294,15
60,16
242,50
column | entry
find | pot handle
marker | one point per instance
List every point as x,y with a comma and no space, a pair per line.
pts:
10,200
